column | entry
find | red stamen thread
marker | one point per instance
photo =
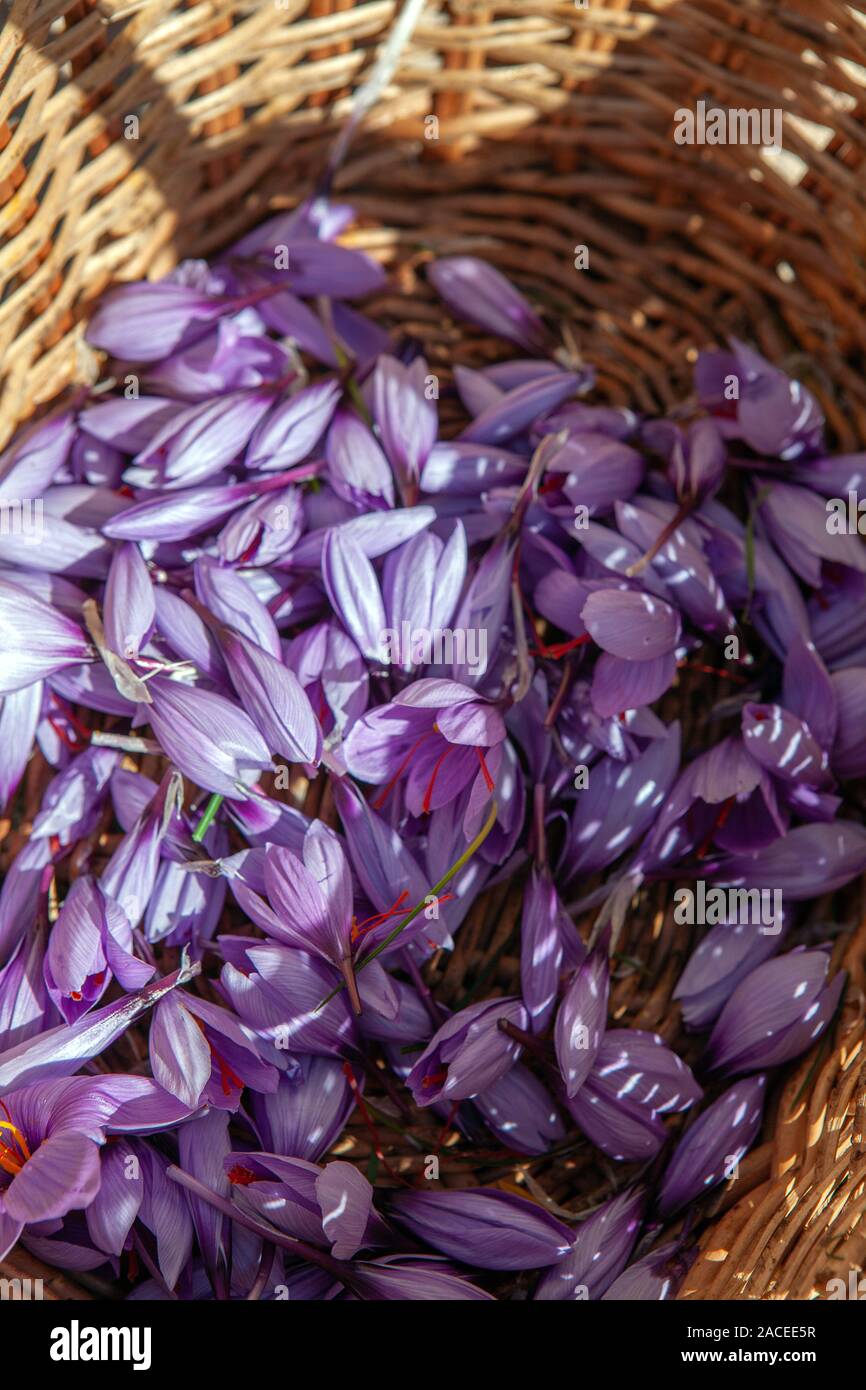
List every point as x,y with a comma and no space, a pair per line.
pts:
435,1078
77,723
558,649
425,805
488,780
724,812
72,742
389,786
252,547
553,483
228,1078
448,1125
359,928
712,671
368,1121
240,1176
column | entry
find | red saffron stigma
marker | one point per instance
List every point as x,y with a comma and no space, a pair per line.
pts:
724,812
425,805
389,786
239,1176
435,1078
368,924
488,780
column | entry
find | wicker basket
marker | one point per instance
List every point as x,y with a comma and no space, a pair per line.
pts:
135,132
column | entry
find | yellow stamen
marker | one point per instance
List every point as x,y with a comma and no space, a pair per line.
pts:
18,1138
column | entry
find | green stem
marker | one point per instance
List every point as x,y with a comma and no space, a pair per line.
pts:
207,819
419,906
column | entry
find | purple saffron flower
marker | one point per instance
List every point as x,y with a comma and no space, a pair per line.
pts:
90,941
35,639
581,1020
635,1082
357,468
437,732
655,1278
602,1244
775,415
727,954
406,418
541,948
213,742
712,1147
273,697
49,1147
277,991
521,1112
146,322
130,607
776,1013
469,1053
200,1052
483,1226
307,1112
478,292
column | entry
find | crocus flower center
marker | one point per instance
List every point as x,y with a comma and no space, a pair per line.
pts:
15,1153
383,795
240,1176
435,1078
369,923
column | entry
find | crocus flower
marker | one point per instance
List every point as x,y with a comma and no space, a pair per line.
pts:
482,294
580,1022
773,414
130,608
90,941
711,1148
209,738
635,1082
541,948
722,959
469,1053
199,1051
49,1149
483,1226
437,733
775,1013
406,418
600,1248
146,321
273,697
35,639
521,1112
655,1278
307,1111
357,468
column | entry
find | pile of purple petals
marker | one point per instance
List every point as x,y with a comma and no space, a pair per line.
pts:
249,561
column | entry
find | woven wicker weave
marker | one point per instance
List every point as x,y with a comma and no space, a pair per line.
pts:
553,129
